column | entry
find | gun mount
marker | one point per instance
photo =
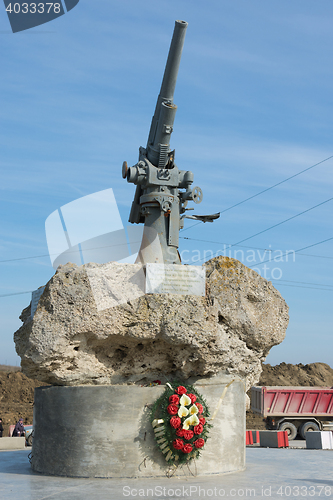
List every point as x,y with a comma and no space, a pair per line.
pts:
158,201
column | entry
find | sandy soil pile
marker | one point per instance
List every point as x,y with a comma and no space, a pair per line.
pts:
17,390
16,396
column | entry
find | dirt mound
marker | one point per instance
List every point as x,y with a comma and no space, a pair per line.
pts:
314,374
311,375
8,368
16,397
17,390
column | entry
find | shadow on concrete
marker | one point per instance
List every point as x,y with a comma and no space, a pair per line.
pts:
146,440
15,462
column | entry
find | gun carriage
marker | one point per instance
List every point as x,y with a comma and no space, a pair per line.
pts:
162,190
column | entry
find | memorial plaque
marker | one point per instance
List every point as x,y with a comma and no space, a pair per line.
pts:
35,296
175,279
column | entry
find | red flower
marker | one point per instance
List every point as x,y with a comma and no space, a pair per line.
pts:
188,435
198,429
157,382
200,407
175,422
187,448
192,397
178,444
199,443
181,390
202,421
180,433
172,409
174,399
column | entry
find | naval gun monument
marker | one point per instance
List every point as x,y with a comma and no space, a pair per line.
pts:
100,362
159,202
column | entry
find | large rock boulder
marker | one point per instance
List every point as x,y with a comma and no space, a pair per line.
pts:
72,341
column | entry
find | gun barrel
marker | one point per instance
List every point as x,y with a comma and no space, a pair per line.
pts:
156,138
173,62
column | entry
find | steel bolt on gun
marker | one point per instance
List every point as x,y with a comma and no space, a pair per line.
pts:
158,201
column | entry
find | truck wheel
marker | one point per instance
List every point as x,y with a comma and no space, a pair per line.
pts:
29,440
308,427
290,428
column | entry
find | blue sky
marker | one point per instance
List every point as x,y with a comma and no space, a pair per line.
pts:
254,96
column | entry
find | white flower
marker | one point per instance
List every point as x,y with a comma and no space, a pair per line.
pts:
187,424
192,420
182,412
194,410
185,400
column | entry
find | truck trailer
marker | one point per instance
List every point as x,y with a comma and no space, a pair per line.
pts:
294,409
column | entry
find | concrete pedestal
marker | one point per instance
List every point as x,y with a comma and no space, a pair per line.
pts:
104,431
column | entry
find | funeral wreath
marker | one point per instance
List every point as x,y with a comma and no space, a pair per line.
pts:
179,419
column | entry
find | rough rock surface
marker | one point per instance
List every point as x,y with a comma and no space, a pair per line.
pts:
70,342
